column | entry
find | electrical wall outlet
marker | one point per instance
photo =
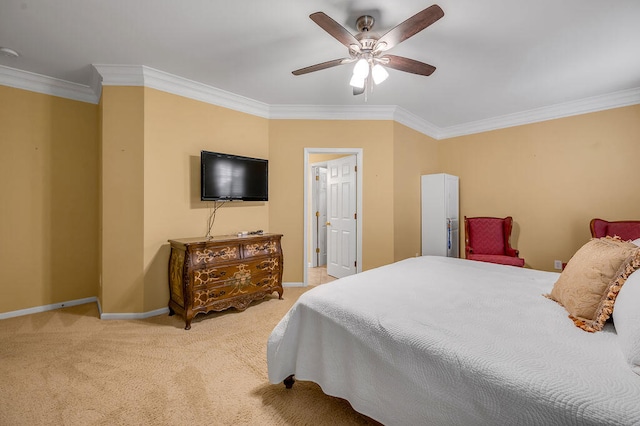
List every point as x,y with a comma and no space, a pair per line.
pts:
557,264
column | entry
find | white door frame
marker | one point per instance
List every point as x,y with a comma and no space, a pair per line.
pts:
307,195
315,200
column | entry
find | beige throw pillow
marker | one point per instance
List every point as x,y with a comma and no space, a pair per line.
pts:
589,284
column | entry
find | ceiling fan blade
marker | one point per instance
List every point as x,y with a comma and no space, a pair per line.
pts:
408,65
321,66
410,27
336,30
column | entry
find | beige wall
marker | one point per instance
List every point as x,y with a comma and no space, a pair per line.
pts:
101,188
176,130
553,177
151,186
287,140
49,207
414,155
121,198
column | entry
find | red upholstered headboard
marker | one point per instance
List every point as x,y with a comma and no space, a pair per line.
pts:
625,229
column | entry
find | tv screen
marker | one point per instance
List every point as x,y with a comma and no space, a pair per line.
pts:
232,177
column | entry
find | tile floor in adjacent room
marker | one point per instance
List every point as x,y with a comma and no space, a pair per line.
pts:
319,275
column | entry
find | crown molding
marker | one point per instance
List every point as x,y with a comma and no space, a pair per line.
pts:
582,106
39,83
120,75
351,112
416,123
140,75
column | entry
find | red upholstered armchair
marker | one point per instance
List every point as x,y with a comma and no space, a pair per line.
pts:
487,239
625,229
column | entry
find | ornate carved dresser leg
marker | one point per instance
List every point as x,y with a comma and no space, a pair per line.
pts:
289,381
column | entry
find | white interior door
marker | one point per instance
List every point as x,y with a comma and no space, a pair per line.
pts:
341,216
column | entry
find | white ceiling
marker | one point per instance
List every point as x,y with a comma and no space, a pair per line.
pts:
493,58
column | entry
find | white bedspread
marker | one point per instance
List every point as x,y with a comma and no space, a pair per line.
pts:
444,341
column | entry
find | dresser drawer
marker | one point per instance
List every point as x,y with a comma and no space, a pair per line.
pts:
261,248
268,281
241,285
206,296
214,255
213,277
271,264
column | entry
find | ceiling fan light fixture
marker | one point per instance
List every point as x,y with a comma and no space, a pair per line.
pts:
379,74
357,81
366,47
361,69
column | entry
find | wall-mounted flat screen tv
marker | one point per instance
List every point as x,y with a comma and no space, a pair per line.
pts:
226,177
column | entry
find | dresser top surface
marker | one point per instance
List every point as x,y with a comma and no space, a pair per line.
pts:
221,239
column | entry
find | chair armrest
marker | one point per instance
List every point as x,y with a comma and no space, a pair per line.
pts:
508,226
511,251
598,228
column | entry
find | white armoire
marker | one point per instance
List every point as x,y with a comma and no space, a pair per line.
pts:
440,224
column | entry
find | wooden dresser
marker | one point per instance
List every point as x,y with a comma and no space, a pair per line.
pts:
222,272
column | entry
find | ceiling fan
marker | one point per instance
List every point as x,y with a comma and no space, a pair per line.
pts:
368,49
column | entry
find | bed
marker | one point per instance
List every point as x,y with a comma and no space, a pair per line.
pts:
446,341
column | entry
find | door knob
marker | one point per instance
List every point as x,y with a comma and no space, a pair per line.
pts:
328,223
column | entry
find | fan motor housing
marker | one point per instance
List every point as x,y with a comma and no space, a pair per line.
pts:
365,36
365,23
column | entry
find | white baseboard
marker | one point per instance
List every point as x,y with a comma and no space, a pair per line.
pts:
134,316
103,316
51,307
45,308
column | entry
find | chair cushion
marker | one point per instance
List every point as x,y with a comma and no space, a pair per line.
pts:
589,285
497,258
486,235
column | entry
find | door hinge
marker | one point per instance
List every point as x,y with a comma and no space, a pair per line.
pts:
355,216
317,177
317,214
355,169
317,250
355,264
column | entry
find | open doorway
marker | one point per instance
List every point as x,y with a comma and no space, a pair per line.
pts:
315,160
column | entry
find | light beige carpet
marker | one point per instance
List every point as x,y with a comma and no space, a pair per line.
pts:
68,367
